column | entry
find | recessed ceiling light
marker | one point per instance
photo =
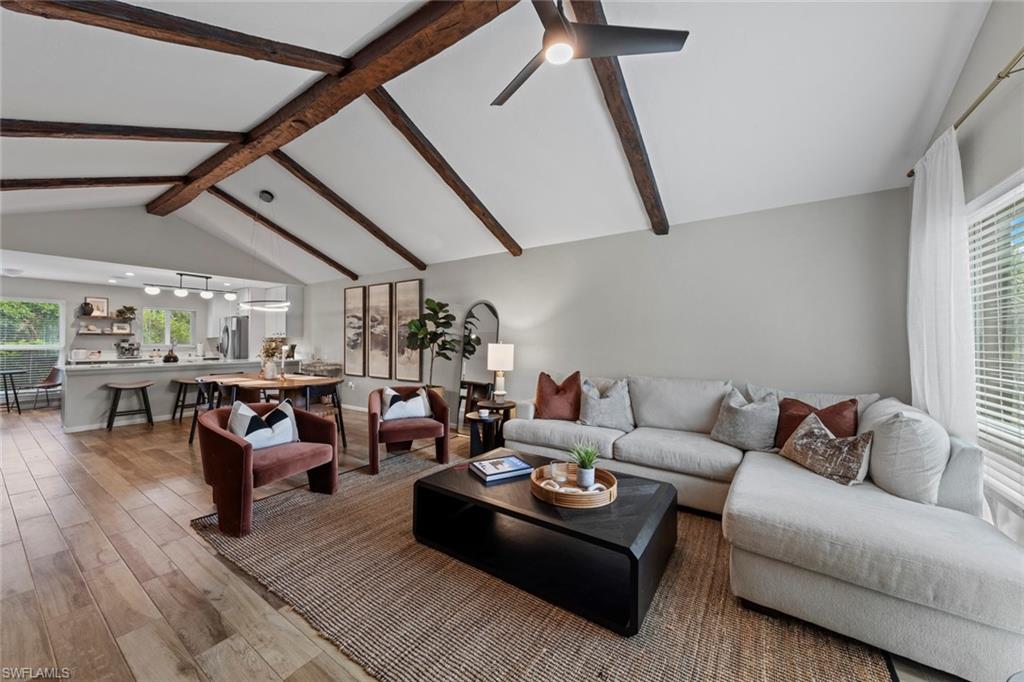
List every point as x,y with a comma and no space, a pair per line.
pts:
112,281
226,284
129,274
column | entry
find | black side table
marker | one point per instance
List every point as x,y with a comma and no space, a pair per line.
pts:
484,433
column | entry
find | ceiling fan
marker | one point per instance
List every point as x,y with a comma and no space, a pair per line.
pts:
565,40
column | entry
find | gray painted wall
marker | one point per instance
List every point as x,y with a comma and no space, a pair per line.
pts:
803,297
992,139
133,237
73,293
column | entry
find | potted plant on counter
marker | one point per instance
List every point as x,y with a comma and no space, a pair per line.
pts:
430,331
585,456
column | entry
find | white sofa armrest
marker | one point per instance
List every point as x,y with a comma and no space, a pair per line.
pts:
524,409
963,481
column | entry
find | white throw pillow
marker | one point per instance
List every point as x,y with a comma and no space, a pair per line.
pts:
274,428
909,451
393,407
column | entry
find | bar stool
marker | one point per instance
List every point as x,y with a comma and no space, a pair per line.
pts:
181,397
139,386
206,399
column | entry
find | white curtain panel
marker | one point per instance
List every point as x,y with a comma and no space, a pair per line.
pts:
940,327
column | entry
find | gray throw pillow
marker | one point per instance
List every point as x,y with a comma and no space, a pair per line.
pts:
910,450
610,409
747,425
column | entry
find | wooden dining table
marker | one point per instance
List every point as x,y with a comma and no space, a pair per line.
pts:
248,386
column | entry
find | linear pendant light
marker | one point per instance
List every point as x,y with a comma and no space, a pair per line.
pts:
181,291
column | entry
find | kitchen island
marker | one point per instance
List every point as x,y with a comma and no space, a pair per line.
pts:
86,402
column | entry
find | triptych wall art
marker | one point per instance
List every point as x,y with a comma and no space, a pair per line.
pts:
376,325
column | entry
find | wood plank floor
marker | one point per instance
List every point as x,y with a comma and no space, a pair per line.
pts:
101,573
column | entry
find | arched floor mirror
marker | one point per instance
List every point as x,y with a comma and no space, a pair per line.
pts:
476,383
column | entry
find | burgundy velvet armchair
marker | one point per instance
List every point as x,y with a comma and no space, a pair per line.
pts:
398,434
233,468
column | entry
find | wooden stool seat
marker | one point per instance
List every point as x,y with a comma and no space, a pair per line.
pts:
130,384
187,382
140,386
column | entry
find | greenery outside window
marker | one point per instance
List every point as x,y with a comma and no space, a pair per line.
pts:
163,327
31,337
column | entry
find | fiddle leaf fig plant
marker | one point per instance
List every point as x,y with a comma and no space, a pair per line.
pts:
431,331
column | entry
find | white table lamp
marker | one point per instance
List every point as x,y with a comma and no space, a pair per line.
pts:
499,360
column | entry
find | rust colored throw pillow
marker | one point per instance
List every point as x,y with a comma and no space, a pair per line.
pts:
840,419
558,401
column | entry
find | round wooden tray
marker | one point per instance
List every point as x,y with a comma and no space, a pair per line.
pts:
574,500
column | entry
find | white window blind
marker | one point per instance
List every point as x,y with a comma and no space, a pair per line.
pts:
31,337
997,292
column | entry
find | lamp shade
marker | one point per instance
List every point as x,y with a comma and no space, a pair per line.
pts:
499,357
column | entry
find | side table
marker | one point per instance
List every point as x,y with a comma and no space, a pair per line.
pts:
483,433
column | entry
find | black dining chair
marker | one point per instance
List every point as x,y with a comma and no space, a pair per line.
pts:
53,381
314,405
209,396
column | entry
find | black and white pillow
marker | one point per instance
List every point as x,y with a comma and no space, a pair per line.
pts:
274,428
394,407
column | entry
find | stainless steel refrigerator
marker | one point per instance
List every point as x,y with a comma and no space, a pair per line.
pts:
234,337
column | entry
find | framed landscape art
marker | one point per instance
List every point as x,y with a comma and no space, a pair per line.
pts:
355,318
378,331
408,304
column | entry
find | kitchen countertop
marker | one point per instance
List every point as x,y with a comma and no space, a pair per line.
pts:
151,365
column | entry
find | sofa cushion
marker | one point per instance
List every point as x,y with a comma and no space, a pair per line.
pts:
681,404
410,428
747,425
608,407
818,400
840,419
682,451
928,555
558,401
814,447
909,452
281,461
560,434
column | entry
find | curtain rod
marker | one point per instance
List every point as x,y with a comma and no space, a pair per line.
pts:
1000,77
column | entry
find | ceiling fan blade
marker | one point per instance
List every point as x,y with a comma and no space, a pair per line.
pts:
600,40
520,78
548,13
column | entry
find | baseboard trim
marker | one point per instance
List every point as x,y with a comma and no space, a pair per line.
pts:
120,421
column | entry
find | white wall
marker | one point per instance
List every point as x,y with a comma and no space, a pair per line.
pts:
131,236
74,293
992,138
802,297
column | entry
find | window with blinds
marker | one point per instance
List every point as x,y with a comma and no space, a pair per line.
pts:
31,337
997,292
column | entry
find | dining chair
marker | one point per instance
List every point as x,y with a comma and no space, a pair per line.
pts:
313,404
53,380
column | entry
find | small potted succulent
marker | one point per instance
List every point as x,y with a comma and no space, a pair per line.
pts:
585,457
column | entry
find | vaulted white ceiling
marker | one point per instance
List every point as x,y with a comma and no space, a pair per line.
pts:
769,104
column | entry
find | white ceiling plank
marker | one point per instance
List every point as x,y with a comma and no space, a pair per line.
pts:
43,200
25,157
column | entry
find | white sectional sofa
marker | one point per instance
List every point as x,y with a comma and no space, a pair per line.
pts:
934,583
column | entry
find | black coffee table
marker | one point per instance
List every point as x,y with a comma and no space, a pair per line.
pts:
603,564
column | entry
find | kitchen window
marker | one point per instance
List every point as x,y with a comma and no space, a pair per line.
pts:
31,337
996,237
163,327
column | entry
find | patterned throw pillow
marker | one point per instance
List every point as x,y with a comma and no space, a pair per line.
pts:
394,407
747,425
274,428
558,401
840,419
610,409
843,460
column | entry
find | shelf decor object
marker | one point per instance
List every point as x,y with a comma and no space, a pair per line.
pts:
499,361
541,481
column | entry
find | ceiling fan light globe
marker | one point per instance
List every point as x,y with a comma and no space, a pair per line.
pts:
558,53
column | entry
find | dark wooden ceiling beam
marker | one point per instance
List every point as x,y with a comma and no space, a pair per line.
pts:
148,23
8,185
311,181
19,127
390,108
266,222
620,106
423,34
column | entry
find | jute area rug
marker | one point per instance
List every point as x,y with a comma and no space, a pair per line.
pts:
349,564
